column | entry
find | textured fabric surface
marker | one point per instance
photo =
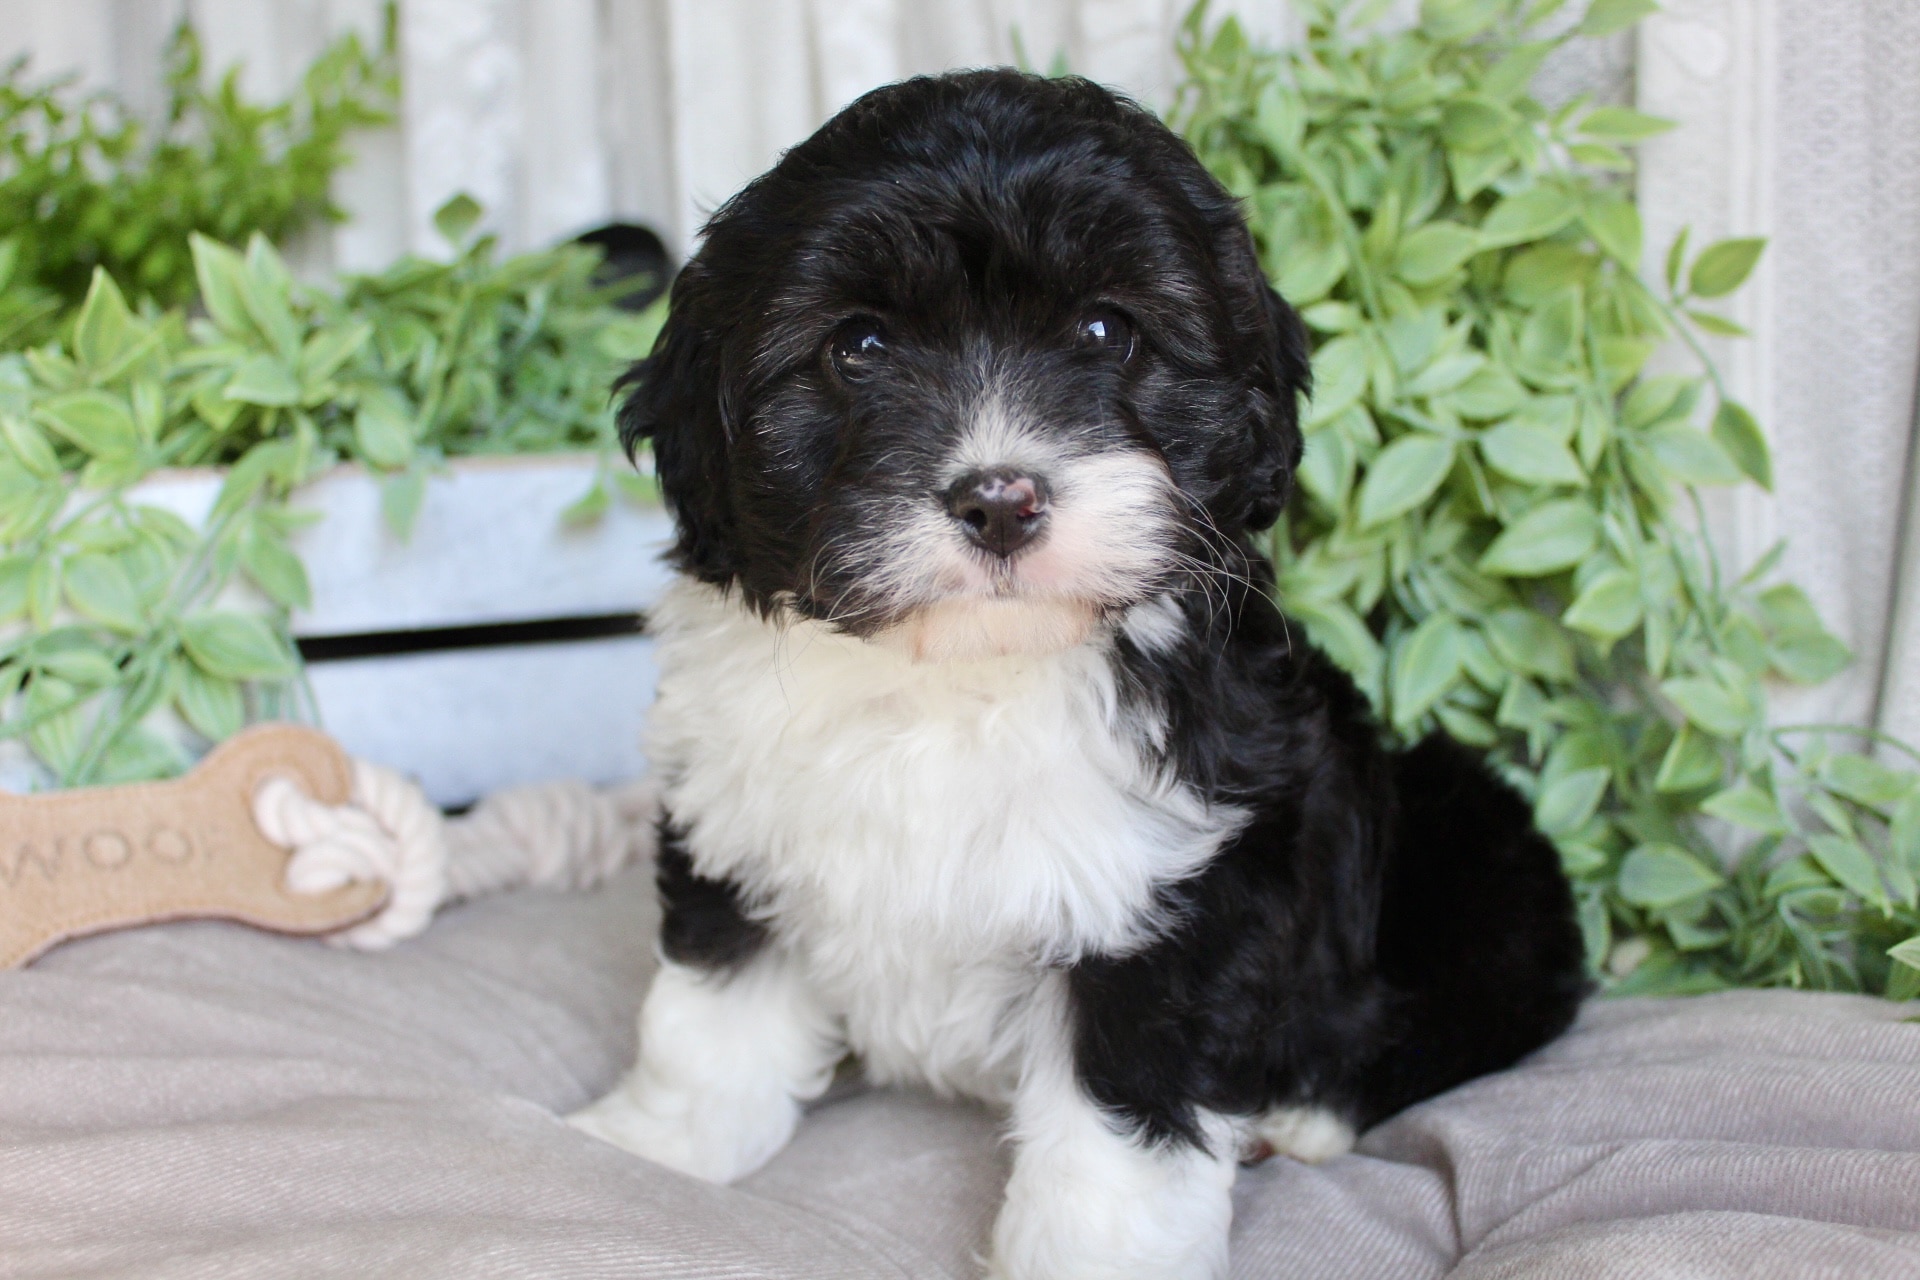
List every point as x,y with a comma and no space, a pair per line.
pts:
201,1100
1800,123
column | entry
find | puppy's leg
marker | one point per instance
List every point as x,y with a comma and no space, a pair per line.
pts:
726,1059
1091,1200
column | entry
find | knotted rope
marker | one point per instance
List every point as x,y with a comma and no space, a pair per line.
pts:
562,835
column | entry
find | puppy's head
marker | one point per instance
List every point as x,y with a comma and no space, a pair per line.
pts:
987,359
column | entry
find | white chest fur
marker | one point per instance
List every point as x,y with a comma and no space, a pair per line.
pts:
925,837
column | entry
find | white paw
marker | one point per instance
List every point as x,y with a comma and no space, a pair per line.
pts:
1309,1134
618,1119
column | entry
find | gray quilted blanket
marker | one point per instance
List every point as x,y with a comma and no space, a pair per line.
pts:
201,1100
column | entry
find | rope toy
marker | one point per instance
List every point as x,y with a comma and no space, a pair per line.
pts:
560,835
280,828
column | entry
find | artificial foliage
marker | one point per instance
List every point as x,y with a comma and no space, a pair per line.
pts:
1498,533
124,647
85,183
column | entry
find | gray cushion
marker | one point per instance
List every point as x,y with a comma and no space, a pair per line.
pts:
204,1100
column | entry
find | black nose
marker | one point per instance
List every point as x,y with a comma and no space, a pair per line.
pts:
1001,510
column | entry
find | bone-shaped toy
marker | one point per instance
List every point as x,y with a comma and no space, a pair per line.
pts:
97,858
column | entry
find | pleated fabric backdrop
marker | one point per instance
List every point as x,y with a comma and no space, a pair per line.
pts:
1802,123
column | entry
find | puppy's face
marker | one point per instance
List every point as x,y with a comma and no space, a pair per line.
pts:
985,361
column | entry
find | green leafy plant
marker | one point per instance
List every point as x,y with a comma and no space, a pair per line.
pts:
1498,534
84,184
117,623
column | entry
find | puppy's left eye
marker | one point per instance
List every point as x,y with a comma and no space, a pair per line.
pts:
1107,331
857,346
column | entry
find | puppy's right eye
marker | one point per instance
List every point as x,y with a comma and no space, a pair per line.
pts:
857,346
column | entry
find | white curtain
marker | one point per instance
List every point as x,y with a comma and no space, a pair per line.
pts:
1801,123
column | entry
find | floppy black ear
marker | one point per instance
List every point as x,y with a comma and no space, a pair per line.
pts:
1285,376
675,402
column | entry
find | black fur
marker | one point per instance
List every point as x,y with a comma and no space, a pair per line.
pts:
703,922
1387,925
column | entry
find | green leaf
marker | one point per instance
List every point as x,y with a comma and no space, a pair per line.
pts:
1338,631
1551,338
1476,124
1509,77
1906,953
1903,832
325,350
236,646
222,276
1339,379
1810,659
1599,155
43,592
210,704
1528,642
1531,454
138,754
1692,761
1623,124
85,668
1850,865
1490,393
1434,252
104,327
1458,19
1718,325
1540,272
1736,432
456,219
1691,456
1604,17
1569,802
1724,267
401,496
264,380
99,423
14,572
1676,258
1709,705
1553,536
30,446
58,735
1533,214
1426,665
1866,781
1404,475
1747,806
1326,468
587,508
1658,876
382,436
1615,226
1608,607
98,588
276,570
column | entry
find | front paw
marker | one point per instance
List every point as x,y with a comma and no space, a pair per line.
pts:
714,1140
629,1125
1143,1215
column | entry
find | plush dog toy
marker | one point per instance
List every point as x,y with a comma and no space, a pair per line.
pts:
985,753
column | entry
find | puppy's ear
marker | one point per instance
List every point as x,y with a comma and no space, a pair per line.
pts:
1285,376
675,401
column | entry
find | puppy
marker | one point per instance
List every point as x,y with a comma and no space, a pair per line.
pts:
986,755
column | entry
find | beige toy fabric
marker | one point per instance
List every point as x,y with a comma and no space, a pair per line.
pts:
83,861
280,829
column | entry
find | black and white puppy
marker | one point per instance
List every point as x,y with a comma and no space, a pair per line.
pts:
985,754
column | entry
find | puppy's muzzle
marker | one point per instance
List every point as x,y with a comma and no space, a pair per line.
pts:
1000,510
